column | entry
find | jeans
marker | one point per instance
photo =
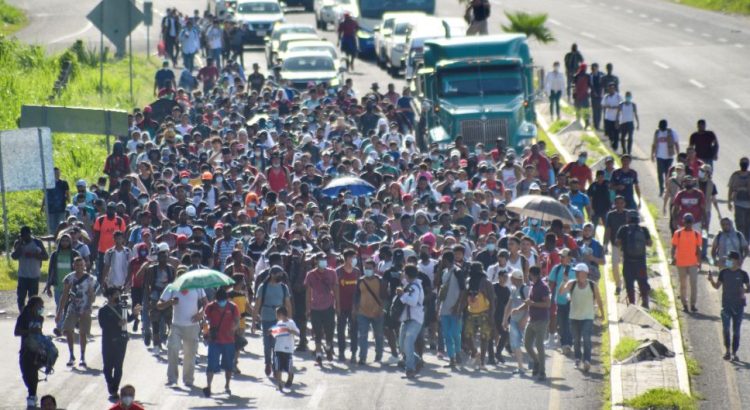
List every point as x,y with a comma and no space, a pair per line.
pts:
113,355
626,137
596,110
53,220
563,325
535,334
300,316
57,292
158,320
410,330
742,220
610,130
363,327
554,103
632,272
735,317
582,330
268,342
662,167
170,44
216,55
99,266
185,338
188,61
27,287
346,320
451,326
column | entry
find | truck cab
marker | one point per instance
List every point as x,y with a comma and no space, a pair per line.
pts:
480,88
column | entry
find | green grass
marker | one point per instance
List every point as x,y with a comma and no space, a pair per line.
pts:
12,19
542,136
693,367
605,353
727,6
660,297
662,398
661,317
558,125
568,109
625,347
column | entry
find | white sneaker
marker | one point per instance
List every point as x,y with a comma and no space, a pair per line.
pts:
391,361
31,402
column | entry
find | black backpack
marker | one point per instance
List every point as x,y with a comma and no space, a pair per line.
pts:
635,243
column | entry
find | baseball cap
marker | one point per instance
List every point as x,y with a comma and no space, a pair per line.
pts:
516,274
564,252
81,182
163,247
581,267
207,176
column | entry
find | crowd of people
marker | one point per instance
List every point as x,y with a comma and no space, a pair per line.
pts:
232,177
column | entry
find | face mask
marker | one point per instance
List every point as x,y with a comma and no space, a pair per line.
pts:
184,181
322,264
40,311
628,99
222,303
369,273
581,160
219,180
143,254
436,231
701,174
730,265
689,186
143,201
215,123
485,220
376,212
354,261
490,247
127,400
348,201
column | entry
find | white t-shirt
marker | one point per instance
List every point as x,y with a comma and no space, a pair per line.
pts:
494,271
186,307
627,112
428,269
284,339
118,267
662,138
614,100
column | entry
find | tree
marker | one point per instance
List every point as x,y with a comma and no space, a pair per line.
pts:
533,25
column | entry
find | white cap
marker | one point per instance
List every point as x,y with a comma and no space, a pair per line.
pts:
162,247
581,267
534,186
516,274
306,140
190,211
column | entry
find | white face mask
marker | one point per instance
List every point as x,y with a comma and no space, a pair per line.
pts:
127,400
354,261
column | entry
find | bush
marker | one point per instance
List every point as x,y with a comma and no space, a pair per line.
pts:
662,398
625,347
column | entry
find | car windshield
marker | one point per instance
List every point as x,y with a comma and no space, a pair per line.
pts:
258,8
315,63
474,81
401,29
301,29
326,49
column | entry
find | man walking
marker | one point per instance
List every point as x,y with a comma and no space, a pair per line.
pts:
187,311
56,200
170,29
559,277
190,39
735,284
538,305
370,293
632,240
412,317
80,290
223,319
554,84
476,15
573,60
272,294
665,146
597,88
322,304
686,256
728,240
29,252
706,144
611,104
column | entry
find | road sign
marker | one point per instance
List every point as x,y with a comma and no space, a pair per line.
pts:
116,19
26,160
148,13
75,119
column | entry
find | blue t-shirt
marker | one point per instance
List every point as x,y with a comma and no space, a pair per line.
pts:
56,197
557,275
579,200
627,179
163,77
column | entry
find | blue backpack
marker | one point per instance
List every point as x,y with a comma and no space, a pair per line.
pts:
45,351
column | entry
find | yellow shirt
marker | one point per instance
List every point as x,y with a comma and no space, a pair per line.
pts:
241,302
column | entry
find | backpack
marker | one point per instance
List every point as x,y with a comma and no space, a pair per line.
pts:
635,244
739,240
591,285
44,350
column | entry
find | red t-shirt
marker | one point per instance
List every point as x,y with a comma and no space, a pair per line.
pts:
277,179
321,284
549,259
120,406
542,165
226,324
581,172
689,201
347,286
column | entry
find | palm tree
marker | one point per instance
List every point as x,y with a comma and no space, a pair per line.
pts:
533,25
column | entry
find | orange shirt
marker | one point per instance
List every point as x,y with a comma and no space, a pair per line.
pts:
687,245
106,228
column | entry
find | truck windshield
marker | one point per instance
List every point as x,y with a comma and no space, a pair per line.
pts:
309,64
374,9
258,8
487,81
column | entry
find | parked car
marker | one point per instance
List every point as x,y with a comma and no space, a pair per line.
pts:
385,30
272,41
259,16
314,45
223,9
286,40
305,68
331,12
425,29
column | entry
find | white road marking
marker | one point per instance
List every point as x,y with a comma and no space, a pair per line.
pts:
738,45
672,25
629,11
603,4
733,105
656,20
689,30
85,28
706,35
686,43
660,64
722,40
317,396
625,48
589,35
697,83
643,15
616,7
554,22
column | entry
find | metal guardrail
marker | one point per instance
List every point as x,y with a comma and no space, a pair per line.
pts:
62,80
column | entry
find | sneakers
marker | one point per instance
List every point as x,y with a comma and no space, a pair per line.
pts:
301,348
693,308
411,374
329,355
519,371
535,369
618,290
727,356
319,359
147,340
72,361
207,391
268,369
566,350
541,377
289,381
57,332
586,366
82,363
361,362
135,326
392,360
578,363
31,402
735,358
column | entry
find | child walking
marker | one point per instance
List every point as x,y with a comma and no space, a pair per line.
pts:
283,333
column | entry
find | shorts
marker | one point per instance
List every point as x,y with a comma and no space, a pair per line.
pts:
516,335
477,322
83,320
282,362
220,356
323,322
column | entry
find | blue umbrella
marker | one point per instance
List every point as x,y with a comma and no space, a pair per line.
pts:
356,186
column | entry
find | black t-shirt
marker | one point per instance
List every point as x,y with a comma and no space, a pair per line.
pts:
704,144
733,288
28,320
393,278
256,249
615,220
502,295
600,199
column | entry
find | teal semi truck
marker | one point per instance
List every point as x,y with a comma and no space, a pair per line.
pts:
480,88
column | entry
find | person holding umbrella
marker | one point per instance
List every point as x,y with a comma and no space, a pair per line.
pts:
187,311
223,319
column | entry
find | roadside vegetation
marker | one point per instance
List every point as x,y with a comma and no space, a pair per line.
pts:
625,347
727,6
12,19
663,399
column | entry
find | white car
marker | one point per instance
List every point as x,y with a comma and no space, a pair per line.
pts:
425,29
331,12
386,30
305,68
315,46
260,16
272,43
288,39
